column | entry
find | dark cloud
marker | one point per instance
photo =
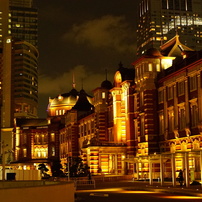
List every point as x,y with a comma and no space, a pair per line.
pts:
106,32
62,83
83,37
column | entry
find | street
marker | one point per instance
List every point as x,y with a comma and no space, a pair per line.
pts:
121,195
130,191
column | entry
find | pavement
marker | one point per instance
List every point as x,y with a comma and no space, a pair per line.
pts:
192,190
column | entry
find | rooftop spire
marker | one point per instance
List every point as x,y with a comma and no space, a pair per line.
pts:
82,83
73,81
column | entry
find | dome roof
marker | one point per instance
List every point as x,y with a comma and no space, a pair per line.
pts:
65,98
106,84
153,52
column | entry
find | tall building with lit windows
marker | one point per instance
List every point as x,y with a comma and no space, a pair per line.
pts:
19,19
160,20
19,66
18,39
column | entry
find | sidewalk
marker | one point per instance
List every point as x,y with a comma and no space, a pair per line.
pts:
193,190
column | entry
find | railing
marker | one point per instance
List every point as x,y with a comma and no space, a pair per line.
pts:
81,183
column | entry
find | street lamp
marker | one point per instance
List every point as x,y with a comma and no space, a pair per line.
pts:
68,169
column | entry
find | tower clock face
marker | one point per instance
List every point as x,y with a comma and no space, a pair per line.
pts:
118,78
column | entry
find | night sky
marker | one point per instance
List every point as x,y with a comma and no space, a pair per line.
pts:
83,37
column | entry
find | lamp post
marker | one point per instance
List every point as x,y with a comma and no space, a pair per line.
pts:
68,169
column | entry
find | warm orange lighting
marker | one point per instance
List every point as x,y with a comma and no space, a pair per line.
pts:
118,190
166,63
182,197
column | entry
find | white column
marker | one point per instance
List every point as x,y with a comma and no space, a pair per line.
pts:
173,169
161,170
186,159
150,173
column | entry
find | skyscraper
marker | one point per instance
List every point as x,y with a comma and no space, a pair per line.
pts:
19,66
18,39
160,20
19,19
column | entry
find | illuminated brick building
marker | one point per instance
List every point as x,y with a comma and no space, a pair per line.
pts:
147,123
35,141
168,111
103,133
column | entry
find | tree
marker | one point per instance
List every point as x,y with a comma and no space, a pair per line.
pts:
42,167
77,167
56,169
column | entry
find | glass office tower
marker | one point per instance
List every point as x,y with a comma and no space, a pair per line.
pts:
19,19
160,20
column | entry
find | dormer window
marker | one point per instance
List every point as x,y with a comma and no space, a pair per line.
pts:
60,97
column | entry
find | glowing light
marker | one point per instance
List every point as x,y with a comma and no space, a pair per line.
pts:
181,197
60,98
166,63
8,41
118,190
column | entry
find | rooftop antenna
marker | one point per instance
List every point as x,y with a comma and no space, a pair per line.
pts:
73,81
82,83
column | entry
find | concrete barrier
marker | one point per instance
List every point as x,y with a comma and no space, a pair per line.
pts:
32,191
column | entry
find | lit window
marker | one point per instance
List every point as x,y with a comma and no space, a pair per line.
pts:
103,95
161,123
171,121
150,67
52,137
53,151
24,152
